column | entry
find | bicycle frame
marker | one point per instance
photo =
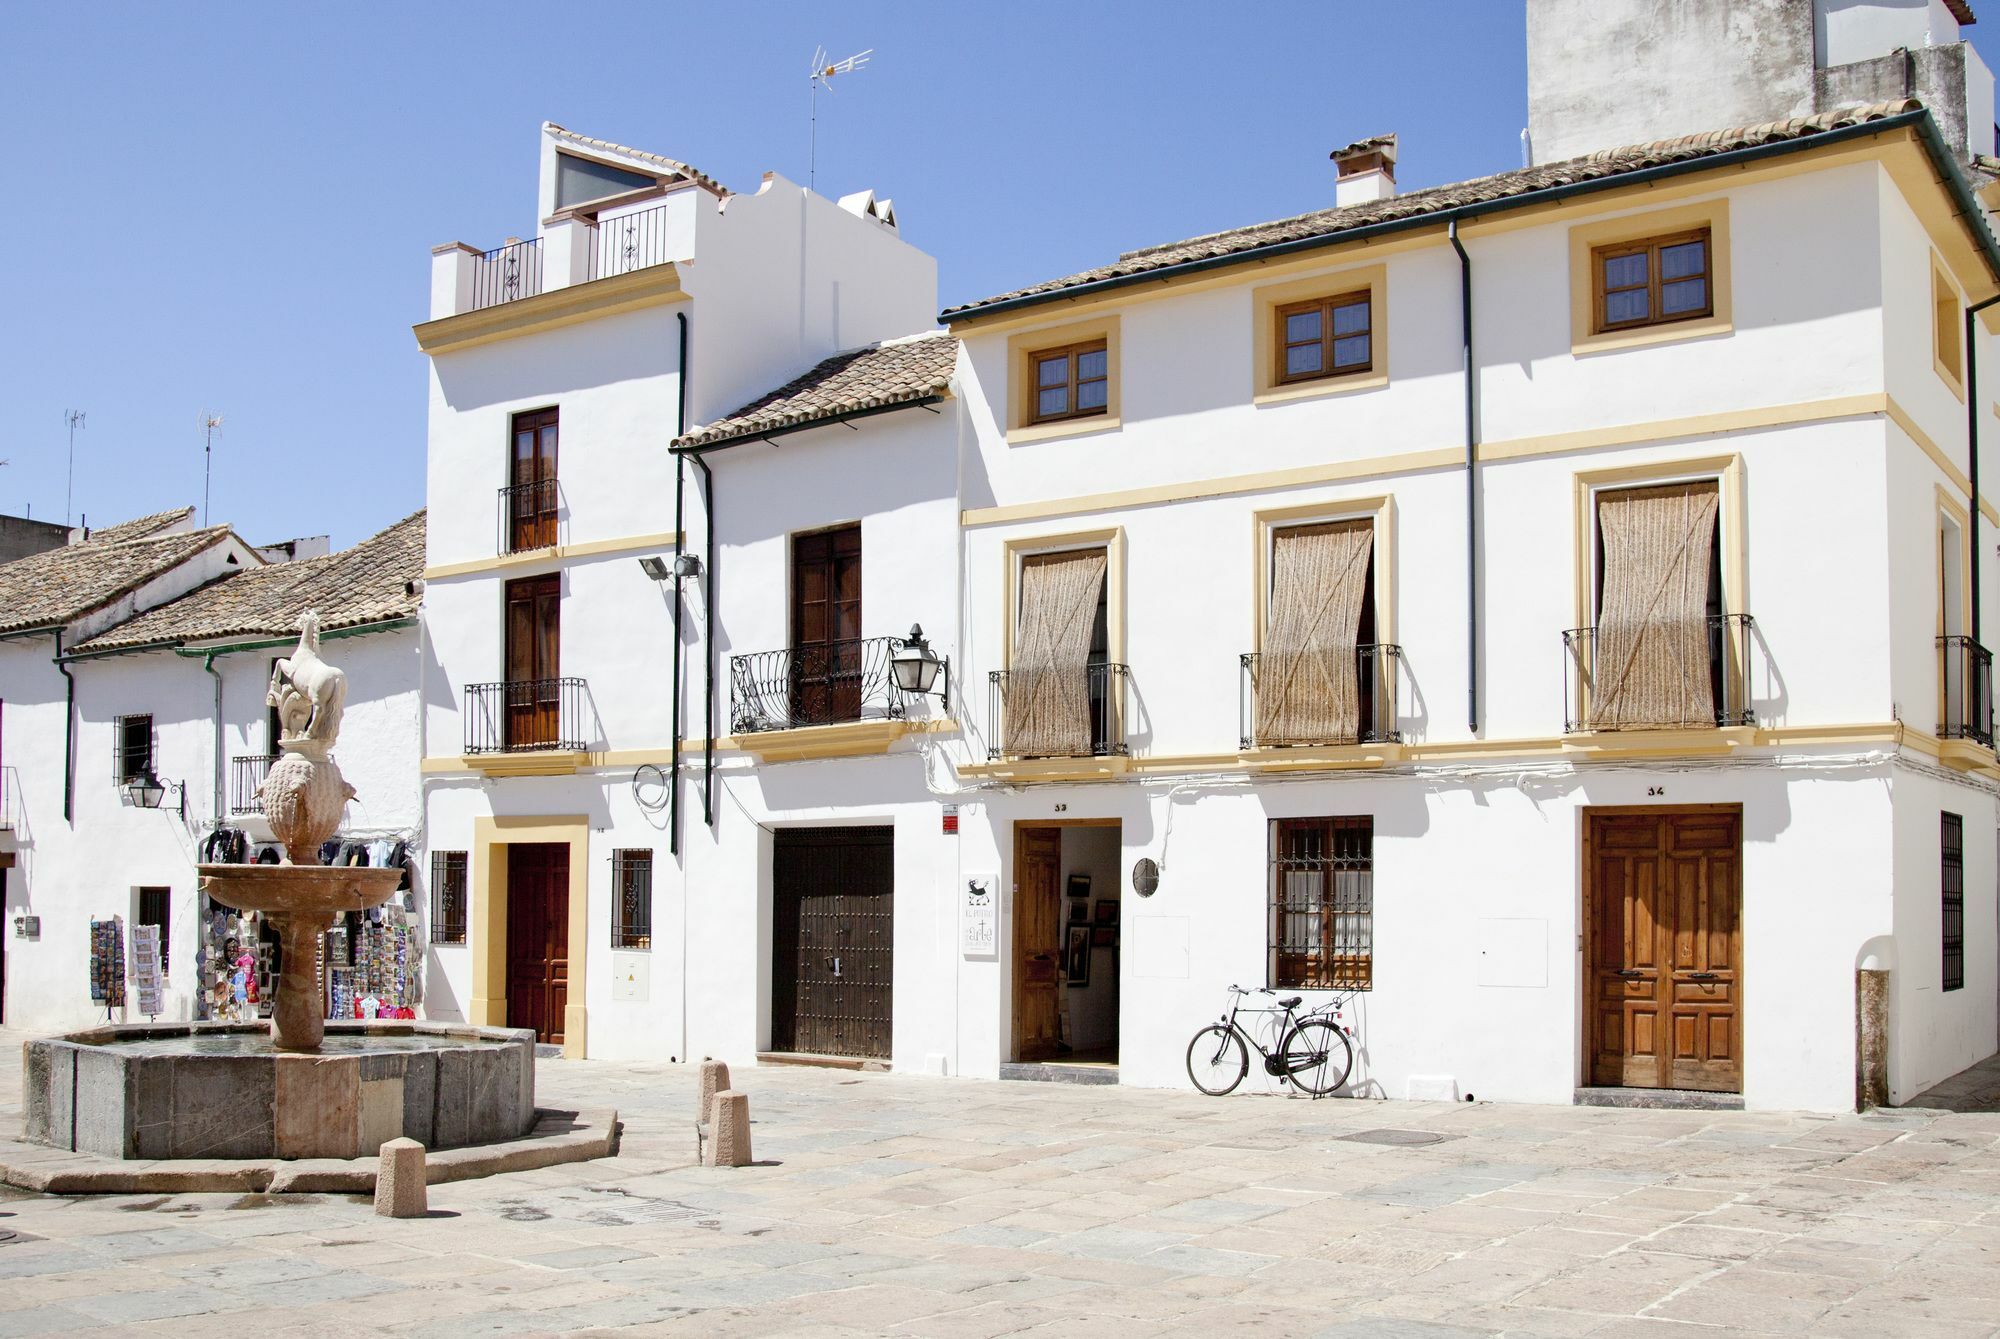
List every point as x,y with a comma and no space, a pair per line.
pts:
1285,1021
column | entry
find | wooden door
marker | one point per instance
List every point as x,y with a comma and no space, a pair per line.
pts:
1038,945
1665,980
532,479
534,637
833,940
538,938
826,627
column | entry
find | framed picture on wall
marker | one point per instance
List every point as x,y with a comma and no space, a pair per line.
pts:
1104,936
1107,911
1079,913
1079,885
1077,956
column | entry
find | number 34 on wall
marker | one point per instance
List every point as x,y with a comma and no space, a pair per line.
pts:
1656,790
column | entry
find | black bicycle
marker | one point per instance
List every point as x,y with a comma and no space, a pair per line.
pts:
1313,1051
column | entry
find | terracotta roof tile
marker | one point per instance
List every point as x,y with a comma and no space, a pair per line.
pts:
141,527
892,372
62,585
368,583
1330,223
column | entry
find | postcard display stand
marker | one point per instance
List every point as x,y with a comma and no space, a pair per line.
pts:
375,976
147,978
107,963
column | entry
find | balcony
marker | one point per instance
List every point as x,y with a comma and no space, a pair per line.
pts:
528,516
1042,714
1657,681
573,251
1965,703
525,716
1371,719
805,686
246,778
504,274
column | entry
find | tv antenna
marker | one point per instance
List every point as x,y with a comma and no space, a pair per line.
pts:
209,423
73,417
822,77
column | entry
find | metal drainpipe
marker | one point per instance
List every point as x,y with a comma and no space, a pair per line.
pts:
208,663
1972,447
708,648
680,547
69,733
1471,488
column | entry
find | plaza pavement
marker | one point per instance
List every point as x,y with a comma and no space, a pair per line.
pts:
886,1204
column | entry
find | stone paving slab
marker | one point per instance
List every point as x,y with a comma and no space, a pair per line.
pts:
894,1205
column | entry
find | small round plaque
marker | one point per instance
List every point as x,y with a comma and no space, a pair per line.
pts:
1145,877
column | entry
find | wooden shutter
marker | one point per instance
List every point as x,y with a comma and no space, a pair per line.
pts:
1651,658
1308,684
1048,694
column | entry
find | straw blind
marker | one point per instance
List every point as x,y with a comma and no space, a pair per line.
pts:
1652,653
1048,693
1308,689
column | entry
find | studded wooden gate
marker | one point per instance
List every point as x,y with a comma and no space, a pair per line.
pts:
833,934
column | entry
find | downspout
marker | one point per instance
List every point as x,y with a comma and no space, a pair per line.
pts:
69,733
1471,486
1972,447
680,547
208,663
708,648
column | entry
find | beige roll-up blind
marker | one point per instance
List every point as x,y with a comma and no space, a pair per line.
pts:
1048,692
1308,686
1652,644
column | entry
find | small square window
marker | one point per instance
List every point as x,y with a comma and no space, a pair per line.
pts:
1654,281
1072,382
1326,337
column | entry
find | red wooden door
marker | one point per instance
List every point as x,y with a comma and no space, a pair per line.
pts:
826,627
538,938
532,480
534,637
1666,966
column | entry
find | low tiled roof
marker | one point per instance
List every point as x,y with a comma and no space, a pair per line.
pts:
1961,10
142,526
893,372
368,583
1330,223
658,160
62,585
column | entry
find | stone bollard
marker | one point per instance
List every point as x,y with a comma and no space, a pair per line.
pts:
714,1079
729,1130
400,1191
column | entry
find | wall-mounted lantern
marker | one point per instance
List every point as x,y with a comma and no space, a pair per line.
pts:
916,667
147,791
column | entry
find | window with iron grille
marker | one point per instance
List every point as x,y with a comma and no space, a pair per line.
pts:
131,748
447,897
631,899
1951,882
1322,918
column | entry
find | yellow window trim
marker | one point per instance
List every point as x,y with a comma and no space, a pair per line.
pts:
1111,540
1265,387
1726,470
1021,351
1948,363
1586,238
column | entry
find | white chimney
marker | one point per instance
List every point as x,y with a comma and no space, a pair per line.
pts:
1367,171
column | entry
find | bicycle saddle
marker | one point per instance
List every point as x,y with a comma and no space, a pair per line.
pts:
1290,1002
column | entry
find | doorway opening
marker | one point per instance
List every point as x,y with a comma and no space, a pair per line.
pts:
1067,939
1663,935
538,938
833,902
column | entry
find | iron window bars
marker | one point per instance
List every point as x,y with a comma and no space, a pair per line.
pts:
1951,889
632,899
1379,667
828,683
133,746
447,897
1965,685
1729,643
524,716
246,778
1322,904
1104,687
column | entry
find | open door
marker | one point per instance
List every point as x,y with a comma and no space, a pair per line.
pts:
1038,948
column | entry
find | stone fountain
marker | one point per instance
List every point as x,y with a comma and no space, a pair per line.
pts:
294,1091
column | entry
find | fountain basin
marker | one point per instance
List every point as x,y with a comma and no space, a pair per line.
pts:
155,1091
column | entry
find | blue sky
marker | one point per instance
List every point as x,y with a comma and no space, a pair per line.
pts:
231,206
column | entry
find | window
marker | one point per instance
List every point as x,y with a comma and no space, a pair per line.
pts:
153,911
447,897
1951,884
580,180
530,495
1318,667
631,899
132,748
1322,922
1071,382
1659,654
1653,282
1946,335
1059,699
1327,337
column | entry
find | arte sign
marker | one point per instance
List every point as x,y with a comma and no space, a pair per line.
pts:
979,919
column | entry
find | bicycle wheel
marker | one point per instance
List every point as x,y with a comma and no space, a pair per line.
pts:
1216,1060
1318,1056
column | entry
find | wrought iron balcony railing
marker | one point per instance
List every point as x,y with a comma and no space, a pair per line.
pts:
1032,713
1965,690
246,777
1655,681
828,684
525,716
629,242
507,273
1370,719
528,516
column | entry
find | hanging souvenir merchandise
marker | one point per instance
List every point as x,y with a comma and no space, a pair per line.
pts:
147,978
235,967
373,973
107,963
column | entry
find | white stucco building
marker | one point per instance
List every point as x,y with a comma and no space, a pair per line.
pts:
1548,608
145,650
